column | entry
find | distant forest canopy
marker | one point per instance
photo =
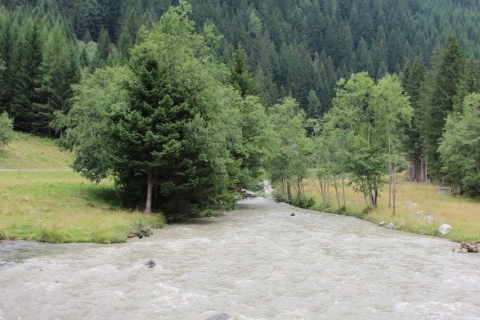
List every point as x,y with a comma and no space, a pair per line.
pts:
294,47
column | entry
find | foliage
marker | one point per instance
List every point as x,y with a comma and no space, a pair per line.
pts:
291,47
460,145
6,129
360,135
288,164
166,126
446,87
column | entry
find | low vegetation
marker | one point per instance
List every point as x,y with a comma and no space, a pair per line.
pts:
419,209
59,205
26,151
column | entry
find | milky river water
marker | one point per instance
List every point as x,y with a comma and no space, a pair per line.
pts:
257,262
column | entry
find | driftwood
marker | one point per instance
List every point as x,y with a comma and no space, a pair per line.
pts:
469,247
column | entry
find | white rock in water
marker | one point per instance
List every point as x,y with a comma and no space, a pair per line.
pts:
445,229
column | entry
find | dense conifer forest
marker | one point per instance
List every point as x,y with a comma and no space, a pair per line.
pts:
283,59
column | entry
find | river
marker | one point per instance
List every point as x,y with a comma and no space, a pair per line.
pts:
257,262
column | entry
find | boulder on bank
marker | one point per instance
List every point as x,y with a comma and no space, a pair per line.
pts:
445,229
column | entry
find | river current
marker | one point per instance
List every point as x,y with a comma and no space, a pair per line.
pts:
257,262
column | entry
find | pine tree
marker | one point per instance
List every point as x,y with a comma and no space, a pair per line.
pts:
469,83
446,88
7,47
413,83
128,37
240,77
104,49
28,78
364,61
60,69
314,109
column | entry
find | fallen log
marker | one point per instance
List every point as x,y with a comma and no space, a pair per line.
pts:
470,247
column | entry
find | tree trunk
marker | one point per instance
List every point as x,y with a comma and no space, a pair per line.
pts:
394,191
389,170
344,197
148,205
336,190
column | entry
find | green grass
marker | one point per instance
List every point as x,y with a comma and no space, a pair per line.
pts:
30,152
59,206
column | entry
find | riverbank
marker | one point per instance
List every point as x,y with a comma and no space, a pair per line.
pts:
62,207
419,209
41,199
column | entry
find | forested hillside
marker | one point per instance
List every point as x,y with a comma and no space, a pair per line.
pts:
294,47
273,50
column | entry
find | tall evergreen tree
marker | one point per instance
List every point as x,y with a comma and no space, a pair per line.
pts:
413,83
104,50
469,83
240,77
128,37
27,78
446,88
60,69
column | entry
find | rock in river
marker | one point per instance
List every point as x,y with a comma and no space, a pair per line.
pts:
219,316
150,263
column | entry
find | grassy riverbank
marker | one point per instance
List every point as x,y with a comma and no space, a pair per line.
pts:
419,209
58,205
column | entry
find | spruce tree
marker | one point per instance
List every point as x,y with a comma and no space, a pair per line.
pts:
413,83
446,88
28,78
128,37
240,77
469,83
104,49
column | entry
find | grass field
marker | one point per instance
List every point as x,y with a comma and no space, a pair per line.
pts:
30,152
419,209
58,205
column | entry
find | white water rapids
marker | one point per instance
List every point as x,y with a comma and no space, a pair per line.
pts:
257,262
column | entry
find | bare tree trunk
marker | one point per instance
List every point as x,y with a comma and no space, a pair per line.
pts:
389,170
336,190
394,191
322,190
289,191
299,186
327,189
148,205
426,168
344,198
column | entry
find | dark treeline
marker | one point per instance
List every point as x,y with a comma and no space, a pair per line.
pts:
294,47
274,49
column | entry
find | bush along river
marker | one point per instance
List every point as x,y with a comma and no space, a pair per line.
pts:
264,260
